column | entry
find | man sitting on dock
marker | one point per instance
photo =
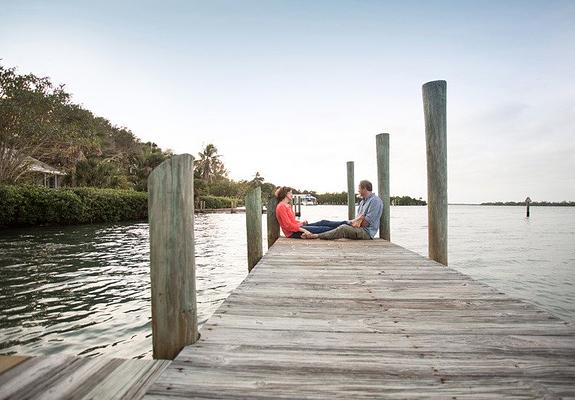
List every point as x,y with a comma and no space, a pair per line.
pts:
365,225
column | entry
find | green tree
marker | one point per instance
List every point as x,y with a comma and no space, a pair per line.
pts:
209,166
144,162
32,114
101,173
257,180
38,119
225,188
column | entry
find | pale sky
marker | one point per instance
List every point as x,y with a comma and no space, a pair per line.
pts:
294,89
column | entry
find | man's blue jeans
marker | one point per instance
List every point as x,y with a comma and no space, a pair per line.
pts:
319,227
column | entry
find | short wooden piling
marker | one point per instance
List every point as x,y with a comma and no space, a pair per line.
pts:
350,191
435,113
172,264
527,202
254,226
296,204
273,224
382,150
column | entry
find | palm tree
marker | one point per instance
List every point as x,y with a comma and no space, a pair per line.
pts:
209,166
257,181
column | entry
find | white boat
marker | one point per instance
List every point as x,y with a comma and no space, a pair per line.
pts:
304,199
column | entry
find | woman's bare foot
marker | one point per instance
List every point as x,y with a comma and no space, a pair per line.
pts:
309,235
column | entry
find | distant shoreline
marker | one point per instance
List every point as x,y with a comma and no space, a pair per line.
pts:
512,204
532,204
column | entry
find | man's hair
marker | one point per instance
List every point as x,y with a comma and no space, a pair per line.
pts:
366,185
282,192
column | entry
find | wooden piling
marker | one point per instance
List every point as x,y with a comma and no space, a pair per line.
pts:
382,150
350,191
296,204
273,224
254,226
172,264
435,113
527,201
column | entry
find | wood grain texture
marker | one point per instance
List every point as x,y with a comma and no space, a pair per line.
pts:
272,222
435,114
254,226
66,377
172,263
370,320
350,191
7,362
382,152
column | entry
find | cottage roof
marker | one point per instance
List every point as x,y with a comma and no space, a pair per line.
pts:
39,166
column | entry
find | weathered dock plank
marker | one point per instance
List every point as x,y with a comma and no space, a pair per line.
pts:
66,377
369,319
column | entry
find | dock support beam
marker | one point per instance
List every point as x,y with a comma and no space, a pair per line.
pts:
172,264
350,191
382,149
273,224
254,226
435,113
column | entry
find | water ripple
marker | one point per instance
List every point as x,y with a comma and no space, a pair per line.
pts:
85,290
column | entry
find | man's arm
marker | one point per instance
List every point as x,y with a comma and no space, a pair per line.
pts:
373,215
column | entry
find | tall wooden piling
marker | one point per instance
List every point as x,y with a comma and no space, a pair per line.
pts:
254,226
527,202
350,191
273,224
382,150
172,264
435,113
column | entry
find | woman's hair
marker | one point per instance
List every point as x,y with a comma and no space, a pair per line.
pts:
282,192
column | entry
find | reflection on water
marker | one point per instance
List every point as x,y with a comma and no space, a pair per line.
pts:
85,290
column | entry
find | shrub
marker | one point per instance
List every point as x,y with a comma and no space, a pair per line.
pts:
219,202
34,205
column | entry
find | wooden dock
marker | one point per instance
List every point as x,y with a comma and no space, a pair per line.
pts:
66,377
370,319
336,319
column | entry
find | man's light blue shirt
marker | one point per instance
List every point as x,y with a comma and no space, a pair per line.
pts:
371,208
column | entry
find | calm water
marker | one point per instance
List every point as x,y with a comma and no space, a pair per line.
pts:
85,290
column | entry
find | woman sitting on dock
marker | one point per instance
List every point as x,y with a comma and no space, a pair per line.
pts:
291,227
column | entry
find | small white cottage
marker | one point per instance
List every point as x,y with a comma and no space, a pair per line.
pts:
47,175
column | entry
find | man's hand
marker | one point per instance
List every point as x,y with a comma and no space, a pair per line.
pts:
358,222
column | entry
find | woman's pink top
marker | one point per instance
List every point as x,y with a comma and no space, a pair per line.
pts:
286,219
